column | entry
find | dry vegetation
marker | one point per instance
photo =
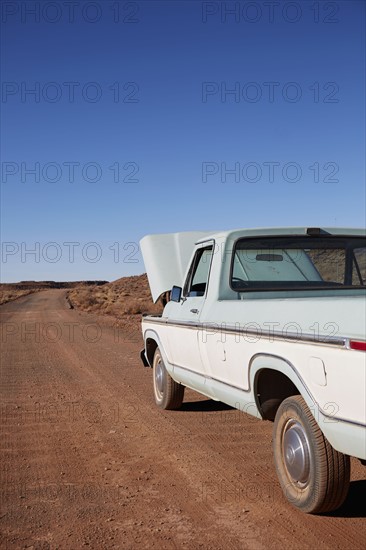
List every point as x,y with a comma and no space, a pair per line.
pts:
9,295
125,299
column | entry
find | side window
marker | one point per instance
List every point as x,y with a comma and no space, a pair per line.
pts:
198,274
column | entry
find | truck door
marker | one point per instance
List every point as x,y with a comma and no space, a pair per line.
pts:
184,318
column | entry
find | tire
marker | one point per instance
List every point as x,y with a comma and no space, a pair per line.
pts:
314,476
168,394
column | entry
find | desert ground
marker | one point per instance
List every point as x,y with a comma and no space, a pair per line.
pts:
88,460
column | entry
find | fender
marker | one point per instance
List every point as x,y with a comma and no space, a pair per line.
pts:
334,429
262,361
151,334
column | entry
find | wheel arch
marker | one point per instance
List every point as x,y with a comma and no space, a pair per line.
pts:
152,341
273,379
150,348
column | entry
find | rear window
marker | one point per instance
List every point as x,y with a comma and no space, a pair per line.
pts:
298,263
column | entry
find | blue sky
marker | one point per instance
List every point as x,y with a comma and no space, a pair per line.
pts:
172,116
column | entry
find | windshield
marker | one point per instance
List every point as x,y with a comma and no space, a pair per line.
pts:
298,263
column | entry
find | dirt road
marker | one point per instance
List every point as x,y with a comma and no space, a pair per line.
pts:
87,460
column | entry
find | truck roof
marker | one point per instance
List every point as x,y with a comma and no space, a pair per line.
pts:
234,234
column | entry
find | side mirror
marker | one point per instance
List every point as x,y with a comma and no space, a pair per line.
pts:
176,294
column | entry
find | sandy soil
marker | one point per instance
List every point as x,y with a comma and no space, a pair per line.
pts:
87,460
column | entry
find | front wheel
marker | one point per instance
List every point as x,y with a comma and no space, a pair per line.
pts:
314,476
168,393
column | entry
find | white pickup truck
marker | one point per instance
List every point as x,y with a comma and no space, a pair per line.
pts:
271,322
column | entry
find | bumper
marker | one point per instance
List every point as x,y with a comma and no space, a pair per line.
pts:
345,437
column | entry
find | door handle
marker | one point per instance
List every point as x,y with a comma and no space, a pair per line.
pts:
194,310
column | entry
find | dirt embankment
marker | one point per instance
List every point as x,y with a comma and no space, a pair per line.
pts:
10,295
124,300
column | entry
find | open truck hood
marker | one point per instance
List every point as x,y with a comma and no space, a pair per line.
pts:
166,257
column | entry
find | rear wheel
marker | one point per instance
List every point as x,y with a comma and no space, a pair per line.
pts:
314,476
168,393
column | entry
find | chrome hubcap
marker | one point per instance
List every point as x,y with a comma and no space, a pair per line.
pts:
159,377
296,452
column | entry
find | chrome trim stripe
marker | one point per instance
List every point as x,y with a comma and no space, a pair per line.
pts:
206,377
270,335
